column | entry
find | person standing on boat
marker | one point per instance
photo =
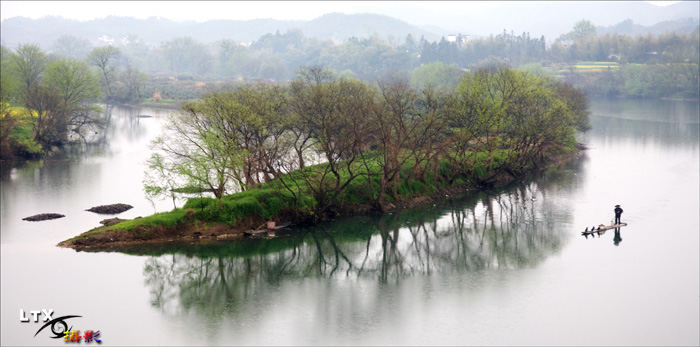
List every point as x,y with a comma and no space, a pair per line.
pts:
618,214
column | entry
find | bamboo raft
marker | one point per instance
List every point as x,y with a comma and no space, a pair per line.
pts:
603,227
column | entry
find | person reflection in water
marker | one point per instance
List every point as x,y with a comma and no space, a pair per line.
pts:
618,238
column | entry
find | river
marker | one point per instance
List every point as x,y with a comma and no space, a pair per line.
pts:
505,267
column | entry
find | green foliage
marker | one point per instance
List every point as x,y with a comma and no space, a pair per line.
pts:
185,55
105,59
165,219
70,46
199,203
27,148
28,65
535,69
75,83
264,203
131,85
582,29
437,74
16,134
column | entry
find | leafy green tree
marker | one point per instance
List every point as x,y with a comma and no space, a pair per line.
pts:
583,28
8,82
272,68
437,74
251,117
50,117
135,82
160,179
197,149
29,65
8,119
185,55
78,89
408,126
232,58
515,118
71,47
410,44
264,128
105,59
134,52
73,81
335,115
226,140
476,115
682,60
305,96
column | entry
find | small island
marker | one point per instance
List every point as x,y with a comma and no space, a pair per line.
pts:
325,146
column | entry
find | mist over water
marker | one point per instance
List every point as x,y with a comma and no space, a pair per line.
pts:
507,266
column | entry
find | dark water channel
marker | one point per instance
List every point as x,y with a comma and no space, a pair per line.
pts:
488,268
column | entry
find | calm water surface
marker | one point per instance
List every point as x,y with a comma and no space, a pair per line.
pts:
490,268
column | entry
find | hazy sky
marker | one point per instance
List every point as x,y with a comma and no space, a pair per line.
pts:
206,10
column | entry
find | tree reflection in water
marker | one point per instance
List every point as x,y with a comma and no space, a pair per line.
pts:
507,229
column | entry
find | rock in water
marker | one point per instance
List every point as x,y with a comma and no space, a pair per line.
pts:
43,216
112,221
110,209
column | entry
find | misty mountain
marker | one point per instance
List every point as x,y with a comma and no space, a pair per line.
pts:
547,18
336,26
628,27
339,27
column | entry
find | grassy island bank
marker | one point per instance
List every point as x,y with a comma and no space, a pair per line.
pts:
325,146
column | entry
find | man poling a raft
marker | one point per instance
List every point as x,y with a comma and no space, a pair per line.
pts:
618,214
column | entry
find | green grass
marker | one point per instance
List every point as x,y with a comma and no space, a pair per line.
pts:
263,202
166,219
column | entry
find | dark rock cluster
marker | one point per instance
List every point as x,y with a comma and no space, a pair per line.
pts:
110,209
111,221
43,216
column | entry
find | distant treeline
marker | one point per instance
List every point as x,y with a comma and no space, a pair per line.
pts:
278,56
57,88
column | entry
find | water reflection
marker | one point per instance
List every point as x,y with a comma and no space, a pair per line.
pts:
517,227
369,281
116,132
618,238
644,122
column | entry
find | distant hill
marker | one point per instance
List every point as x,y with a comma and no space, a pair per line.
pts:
541,18
340,27
335,26
628,27
548,18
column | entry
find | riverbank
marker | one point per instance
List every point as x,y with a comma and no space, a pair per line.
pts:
191,224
